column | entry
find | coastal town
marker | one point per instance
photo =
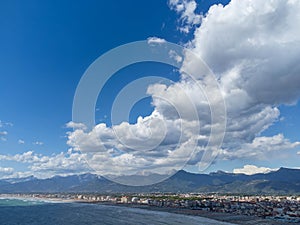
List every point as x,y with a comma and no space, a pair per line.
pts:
280,208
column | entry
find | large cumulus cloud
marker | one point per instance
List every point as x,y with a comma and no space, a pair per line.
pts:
253,47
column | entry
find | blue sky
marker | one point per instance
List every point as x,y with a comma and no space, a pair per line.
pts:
46,46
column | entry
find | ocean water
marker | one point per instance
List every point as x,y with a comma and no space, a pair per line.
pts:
32,212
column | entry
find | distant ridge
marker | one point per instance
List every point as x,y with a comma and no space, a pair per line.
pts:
282,181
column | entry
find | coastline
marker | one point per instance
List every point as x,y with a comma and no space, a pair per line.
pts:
218,216
222,217
37,199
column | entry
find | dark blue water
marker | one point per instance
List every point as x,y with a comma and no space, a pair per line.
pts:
13,212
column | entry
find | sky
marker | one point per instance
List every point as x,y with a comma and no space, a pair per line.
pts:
251,47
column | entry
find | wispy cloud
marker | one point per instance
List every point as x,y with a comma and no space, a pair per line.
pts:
5,124
38,143
3,135
6,172
20,141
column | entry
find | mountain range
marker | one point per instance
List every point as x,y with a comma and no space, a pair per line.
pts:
282,181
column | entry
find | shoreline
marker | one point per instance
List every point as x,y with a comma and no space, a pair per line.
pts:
38,199
222,217
218,216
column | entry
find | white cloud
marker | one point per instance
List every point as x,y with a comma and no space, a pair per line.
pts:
152,144
260,148
186,10
26,157
5,124
252,169
6,171
3,135
38,143
174,55
73,125
21,142
155,40
253,48
41,166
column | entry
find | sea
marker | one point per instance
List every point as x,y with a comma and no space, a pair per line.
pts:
39,212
